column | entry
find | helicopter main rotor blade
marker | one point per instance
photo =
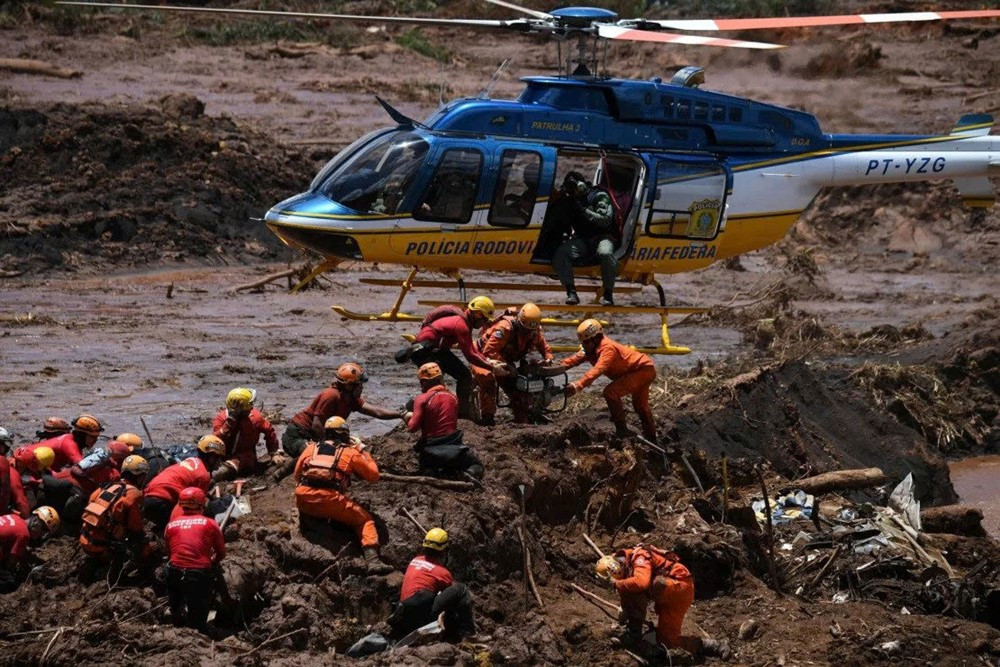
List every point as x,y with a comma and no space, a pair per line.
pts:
617,32
525,10
469,23
706,25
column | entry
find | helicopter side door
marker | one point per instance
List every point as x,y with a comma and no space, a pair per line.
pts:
689,199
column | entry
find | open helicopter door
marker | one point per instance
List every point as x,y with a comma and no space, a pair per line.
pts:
689,199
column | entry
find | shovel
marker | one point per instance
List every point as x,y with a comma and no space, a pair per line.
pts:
433,628
242,502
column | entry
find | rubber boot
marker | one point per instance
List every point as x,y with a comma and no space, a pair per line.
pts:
608,299
374,564
621,430
716,648
571,297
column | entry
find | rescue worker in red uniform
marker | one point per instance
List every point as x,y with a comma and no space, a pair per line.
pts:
113,525
631,373
429,590
16,534
69,488
162,492
340,399
509,339
323,474
443,328
435,415
643,574
68,447
6,440
133,441
26,487
53,427
195,547
239,425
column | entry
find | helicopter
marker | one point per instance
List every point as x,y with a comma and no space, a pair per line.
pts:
696,176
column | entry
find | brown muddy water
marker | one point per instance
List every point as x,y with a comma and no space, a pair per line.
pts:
977,481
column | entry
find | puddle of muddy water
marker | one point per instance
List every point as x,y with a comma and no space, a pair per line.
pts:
977,482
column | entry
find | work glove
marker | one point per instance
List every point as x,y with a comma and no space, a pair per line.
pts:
502,370
570,390
278,458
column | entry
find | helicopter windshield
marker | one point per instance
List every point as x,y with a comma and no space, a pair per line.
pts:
377,177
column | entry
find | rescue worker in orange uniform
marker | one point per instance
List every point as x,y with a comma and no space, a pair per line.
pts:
340,399
429,590
16,534
53,427
68,447
112,523
239,425
323,474
435,415
443,328
643,574
509,339
162,492
69,488
196,547
631,373
27,490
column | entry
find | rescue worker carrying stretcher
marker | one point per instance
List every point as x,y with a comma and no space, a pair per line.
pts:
429,591
643,574
239,425
16,534
435,415
631,373
323,473
443,328
112,527
163,490
509,339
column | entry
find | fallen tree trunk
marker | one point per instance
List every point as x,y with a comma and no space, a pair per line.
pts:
428,481
953,519
840,480
270,278
28,66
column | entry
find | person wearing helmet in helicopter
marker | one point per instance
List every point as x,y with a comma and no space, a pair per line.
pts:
112,524
435,415
447,326
162,491
509,339
645,574
594,233
323,475
16,535
631,373
26,477
340,399
195,546
239,425
53,427
68,489
68,447
429,590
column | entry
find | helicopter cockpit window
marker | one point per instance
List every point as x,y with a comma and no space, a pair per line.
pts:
576,98
377,178
451,196
517,189
689,201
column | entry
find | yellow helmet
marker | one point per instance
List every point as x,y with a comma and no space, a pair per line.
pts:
136,465
589,329
241,399
45,457
429,371
88,424
436,539
130,439
336,423
210,444
530,316
608,567
483,305
49,517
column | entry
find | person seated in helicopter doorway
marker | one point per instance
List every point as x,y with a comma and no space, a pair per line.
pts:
592,223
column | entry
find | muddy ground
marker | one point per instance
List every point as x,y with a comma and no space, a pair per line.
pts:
868,337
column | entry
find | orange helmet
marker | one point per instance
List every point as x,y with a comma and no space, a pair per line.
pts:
210,444
351,373
130,439
192,498
530,316
429,371
56,425
589,329
88,424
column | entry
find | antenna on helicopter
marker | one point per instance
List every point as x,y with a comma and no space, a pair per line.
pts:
486,91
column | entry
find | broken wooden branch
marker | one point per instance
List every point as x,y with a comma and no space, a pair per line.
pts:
596,598
600,554
954,519
29,66
826,565
840,480
529,577
428,481
405,512
775,584
271,640
269,278
694,475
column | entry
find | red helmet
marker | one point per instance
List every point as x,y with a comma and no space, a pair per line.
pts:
192,498
118,451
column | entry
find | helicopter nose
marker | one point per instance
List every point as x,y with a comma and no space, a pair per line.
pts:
310,222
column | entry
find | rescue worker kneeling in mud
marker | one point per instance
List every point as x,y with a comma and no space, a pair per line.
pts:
29,465
239,425
323,473
11,491
631,373
435,415
68,448
164,490
53,427
195,547
509,339
16,534
429,591
643,574
113,528
70,488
